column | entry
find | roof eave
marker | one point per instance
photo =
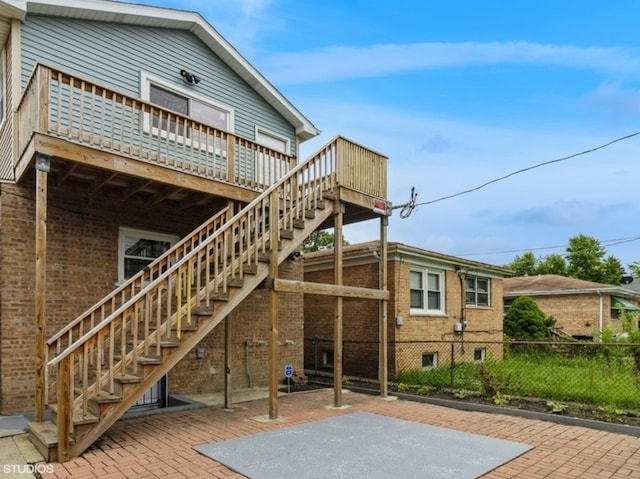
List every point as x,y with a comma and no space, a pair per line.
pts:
134,14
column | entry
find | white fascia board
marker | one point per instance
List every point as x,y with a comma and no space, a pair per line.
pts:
13,9
134,14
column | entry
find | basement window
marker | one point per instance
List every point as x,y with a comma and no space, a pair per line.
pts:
429,360
479,355
137,249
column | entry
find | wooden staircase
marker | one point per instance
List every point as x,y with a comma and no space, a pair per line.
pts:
101,363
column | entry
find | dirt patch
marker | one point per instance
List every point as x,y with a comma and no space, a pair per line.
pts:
559,408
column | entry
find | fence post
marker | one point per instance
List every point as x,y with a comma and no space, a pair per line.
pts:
452,364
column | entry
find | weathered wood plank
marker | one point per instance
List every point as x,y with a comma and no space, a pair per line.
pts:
325,289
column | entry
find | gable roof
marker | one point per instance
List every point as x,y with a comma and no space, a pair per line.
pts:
401,252
147,16
553,284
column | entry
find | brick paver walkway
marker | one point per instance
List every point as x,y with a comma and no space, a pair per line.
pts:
161,445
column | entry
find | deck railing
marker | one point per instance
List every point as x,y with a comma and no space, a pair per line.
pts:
82,112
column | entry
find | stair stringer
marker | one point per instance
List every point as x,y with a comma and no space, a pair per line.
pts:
112,412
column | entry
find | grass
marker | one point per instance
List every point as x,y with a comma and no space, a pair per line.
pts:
589,380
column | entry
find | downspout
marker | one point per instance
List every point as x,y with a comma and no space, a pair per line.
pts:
601,314
463,310
246,354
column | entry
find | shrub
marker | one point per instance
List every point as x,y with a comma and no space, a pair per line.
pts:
525,320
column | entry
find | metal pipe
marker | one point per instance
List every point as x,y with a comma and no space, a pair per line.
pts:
246,352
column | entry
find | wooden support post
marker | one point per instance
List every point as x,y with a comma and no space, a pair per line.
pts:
338,211
42,167
273,307
228,353
383,365
65,412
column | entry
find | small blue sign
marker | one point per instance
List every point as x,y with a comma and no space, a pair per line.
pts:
288,370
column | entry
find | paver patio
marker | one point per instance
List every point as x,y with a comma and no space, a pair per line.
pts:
162,445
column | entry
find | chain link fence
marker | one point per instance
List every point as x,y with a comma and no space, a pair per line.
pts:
600,374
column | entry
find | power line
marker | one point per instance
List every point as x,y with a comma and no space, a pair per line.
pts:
611,242
407,208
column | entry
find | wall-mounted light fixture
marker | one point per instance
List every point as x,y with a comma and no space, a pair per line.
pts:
189,77
296,255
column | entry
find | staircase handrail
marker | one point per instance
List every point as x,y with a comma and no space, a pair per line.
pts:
70,349
139,277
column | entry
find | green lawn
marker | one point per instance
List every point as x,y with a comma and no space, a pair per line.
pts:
592,380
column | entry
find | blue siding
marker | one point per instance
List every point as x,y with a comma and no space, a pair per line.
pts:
114,54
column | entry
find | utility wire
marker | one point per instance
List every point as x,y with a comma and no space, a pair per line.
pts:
407,208
611,242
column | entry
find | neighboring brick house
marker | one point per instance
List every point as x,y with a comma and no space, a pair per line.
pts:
581,308
149,186
426,308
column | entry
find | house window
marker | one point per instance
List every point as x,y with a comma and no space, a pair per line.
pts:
426,292
479,354
327,359
138,248
269,169
477,291
185,103
429,360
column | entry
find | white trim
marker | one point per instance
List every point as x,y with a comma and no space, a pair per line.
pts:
137,233
4,80
266,132
426,311
145,92
147,79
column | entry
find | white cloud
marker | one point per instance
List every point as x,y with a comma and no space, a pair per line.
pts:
340,62
614,98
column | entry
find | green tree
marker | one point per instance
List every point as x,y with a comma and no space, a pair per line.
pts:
635,269
552,264
320,240
585,255
524,265
525,320
612,270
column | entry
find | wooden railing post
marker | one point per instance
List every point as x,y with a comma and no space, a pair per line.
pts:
44,81
43,164
338,212
65,409
231,158
273,303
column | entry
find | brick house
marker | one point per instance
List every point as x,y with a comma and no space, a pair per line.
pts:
432,297
581,308
150,197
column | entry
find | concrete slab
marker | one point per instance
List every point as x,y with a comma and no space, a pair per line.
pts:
12,425
360,445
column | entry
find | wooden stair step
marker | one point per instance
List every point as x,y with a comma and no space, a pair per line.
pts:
310,214
105,398
78,417
127,379
44,436
286,234
149,360
236,282
250,268
186,326
298,224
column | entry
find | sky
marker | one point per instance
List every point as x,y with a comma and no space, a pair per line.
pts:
460,93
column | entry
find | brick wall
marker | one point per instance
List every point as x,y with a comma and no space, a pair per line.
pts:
82,249
579,314
360,323
250,326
